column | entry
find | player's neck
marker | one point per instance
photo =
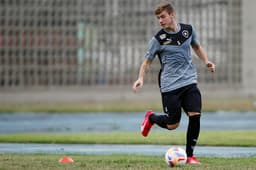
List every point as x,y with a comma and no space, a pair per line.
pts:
173,27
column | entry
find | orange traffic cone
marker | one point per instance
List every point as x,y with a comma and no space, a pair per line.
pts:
66,160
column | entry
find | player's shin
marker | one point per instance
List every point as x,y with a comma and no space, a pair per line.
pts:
192,134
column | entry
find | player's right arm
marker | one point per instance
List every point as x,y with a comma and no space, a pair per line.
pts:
153,47
143,68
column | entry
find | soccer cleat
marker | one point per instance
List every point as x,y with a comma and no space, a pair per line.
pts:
146,124
192,160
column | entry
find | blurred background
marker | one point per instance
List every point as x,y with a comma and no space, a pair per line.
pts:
91,50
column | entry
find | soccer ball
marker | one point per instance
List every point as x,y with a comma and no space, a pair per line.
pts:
175,156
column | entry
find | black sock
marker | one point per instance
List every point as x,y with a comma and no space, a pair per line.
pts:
192,134
160,120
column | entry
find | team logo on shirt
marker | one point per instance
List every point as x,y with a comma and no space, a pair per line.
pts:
185,33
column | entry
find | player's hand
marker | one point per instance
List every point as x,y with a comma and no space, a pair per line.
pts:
210,66
137,84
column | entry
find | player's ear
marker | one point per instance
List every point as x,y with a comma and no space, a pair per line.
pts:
172,14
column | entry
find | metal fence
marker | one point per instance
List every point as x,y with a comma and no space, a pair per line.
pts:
46,43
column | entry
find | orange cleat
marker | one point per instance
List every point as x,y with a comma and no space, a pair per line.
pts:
192,160
66,160
146,124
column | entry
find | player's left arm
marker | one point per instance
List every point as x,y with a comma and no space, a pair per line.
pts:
203,56
200,51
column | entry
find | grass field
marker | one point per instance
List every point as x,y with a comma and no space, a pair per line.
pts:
125,162
116,162
207,138
209,105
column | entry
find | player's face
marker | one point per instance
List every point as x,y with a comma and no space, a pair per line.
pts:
165,19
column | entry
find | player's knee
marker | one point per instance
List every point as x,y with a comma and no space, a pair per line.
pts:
172,126
190,114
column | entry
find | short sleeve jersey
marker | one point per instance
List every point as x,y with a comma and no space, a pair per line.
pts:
173,50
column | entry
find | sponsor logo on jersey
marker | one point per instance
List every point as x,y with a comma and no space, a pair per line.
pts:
168,41
162,36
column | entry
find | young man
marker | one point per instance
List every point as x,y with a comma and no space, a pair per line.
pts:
177,78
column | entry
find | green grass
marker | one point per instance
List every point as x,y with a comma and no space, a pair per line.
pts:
126,162
209,104
207,138
115,106
115,162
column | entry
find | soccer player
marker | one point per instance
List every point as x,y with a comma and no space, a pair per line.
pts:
177,77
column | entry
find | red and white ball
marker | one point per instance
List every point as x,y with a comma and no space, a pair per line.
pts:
175,156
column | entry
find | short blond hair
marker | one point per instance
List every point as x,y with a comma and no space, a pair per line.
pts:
164,6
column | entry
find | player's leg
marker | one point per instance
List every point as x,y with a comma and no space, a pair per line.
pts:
170,120
192,105
192,136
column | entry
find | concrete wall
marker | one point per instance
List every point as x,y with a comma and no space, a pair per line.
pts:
249,46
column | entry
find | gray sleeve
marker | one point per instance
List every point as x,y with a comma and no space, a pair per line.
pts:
194,37
153,48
